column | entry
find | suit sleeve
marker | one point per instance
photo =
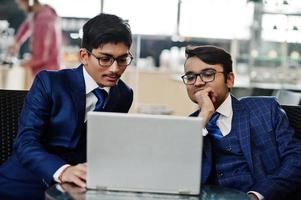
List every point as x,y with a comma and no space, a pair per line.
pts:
31,138
123,95
288,176
129,102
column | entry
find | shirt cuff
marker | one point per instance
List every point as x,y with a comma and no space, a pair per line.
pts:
259,196
58,173
204,132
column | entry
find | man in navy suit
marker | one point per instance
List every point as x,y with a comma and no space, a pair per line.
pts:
51,142
248,143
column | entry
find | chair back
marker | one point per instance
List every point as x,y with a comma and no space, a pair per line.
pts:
11,103
286,97
294,117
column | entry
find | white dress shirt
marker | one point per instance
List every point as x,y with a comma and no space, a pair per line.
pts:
91,101
224,121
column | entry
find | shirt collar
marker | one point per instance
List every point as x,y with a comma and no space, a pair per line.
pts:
91,84
226,107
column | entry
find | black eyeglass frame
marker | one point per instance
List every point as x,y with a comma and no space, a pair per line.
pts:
112,59
201,74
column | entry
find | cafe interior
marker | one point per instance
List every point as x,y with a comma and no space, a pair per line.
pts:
263,37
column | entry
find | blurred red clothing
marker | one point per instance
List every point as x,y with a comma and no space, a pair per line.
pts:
46,39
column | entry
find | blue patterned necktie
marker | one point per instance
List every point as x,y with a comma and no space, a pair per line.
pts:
212,128
101,95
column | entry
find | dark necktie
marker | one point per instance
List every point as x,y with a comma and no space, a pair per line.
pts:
101,95
212,128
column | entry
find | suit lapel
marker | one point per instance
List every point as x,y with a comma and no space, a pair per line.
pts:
78,93
207,155
113,98
241,124
206,160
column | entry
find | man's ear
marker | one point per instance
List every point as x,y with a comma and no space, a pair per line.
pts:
83,56
230,80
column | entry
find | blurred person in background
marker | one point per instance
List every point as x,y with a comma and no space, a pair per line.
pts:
42,25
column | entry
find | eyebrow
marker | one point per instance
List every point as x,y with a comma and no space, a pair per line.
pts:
110,55
206,69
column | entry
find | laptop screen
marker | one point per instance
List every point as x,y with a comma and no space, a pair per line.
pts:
144,153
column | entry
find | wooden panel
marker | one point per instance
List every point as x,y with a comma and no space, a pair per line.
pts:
159,88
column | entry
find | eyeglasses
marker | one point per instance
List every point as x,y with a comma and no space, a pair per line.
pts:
107,60
206,76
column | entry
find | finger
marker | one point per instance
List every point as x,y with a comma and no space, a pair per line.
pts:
69,173
204,95
209,91
65,186
212,96
80,174
81,189
79,182
82,167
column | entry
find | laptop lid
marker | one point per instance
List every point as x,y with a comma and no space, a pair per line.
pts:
144,153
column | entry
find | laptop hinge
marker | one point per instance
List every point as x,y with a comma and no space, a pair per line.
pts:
101,187
184,191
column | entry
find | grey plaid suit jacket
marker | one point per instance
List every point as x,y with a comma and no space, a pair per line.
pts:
269,145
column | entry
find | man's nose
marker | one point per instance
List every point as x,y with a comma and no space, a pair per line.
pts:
114,67
199,81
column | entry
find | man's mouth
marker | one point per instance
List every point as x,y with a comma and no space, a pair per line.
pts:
111,77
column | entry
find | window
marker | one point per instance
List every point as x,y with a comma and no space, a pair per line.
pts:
229,19
75,8
146,17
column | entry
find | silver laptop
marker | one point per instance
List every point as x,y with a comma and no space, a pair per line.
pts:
144,153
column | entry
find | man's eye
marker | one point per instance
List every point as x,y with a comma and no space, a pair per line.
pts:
122,60
208,73
190,76
105,59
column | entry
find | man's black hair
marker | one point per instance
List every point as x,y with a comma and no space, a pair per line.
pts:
103,29
211,55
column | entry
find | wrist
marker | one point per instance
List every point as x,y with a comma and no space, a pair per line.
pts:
253,196
61,180
205,115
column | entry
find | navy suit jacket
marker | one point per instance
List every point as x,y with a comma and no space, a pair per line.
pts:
269,145
53,119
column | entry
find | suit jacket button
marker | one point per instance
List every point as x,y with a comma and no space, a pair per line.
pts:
45,183
229,148
221,174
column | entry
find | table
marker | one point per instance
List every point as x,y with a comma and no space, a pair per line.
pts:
70,192
15,78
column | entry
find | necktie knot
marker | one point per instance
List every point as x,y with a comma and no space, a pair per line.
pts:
212,128
212,121
101,95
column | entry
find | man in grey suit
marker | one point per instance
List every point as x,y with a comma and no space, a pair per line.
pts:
248,143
